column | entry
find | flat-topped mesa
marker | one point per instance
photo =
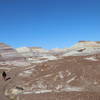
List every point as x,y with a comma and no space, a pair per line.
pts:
83,48
87,44
98,42
10,56
90,41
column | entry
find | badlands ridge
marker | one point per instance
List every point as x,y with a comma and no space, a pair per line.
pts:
58,74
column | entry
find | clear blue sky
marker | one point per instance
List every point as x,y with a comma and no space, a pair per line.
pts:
49,23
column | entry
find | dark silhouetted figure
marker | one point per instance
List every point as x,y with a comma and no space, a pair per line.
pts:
4,75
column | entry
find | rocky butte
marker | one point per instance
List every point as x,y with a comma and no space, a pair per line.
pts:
59,74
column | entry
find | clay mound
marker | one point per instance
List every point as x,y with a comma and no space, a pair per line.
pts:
9,56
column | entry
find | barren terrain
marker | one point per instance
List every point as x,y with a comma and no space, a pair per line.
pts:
59,74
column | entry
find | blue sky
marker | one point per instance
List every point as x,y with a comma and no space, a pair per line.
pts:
49,23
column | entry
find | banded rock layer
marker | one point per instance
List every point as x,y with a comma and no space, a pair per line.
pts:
58,74
9,56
